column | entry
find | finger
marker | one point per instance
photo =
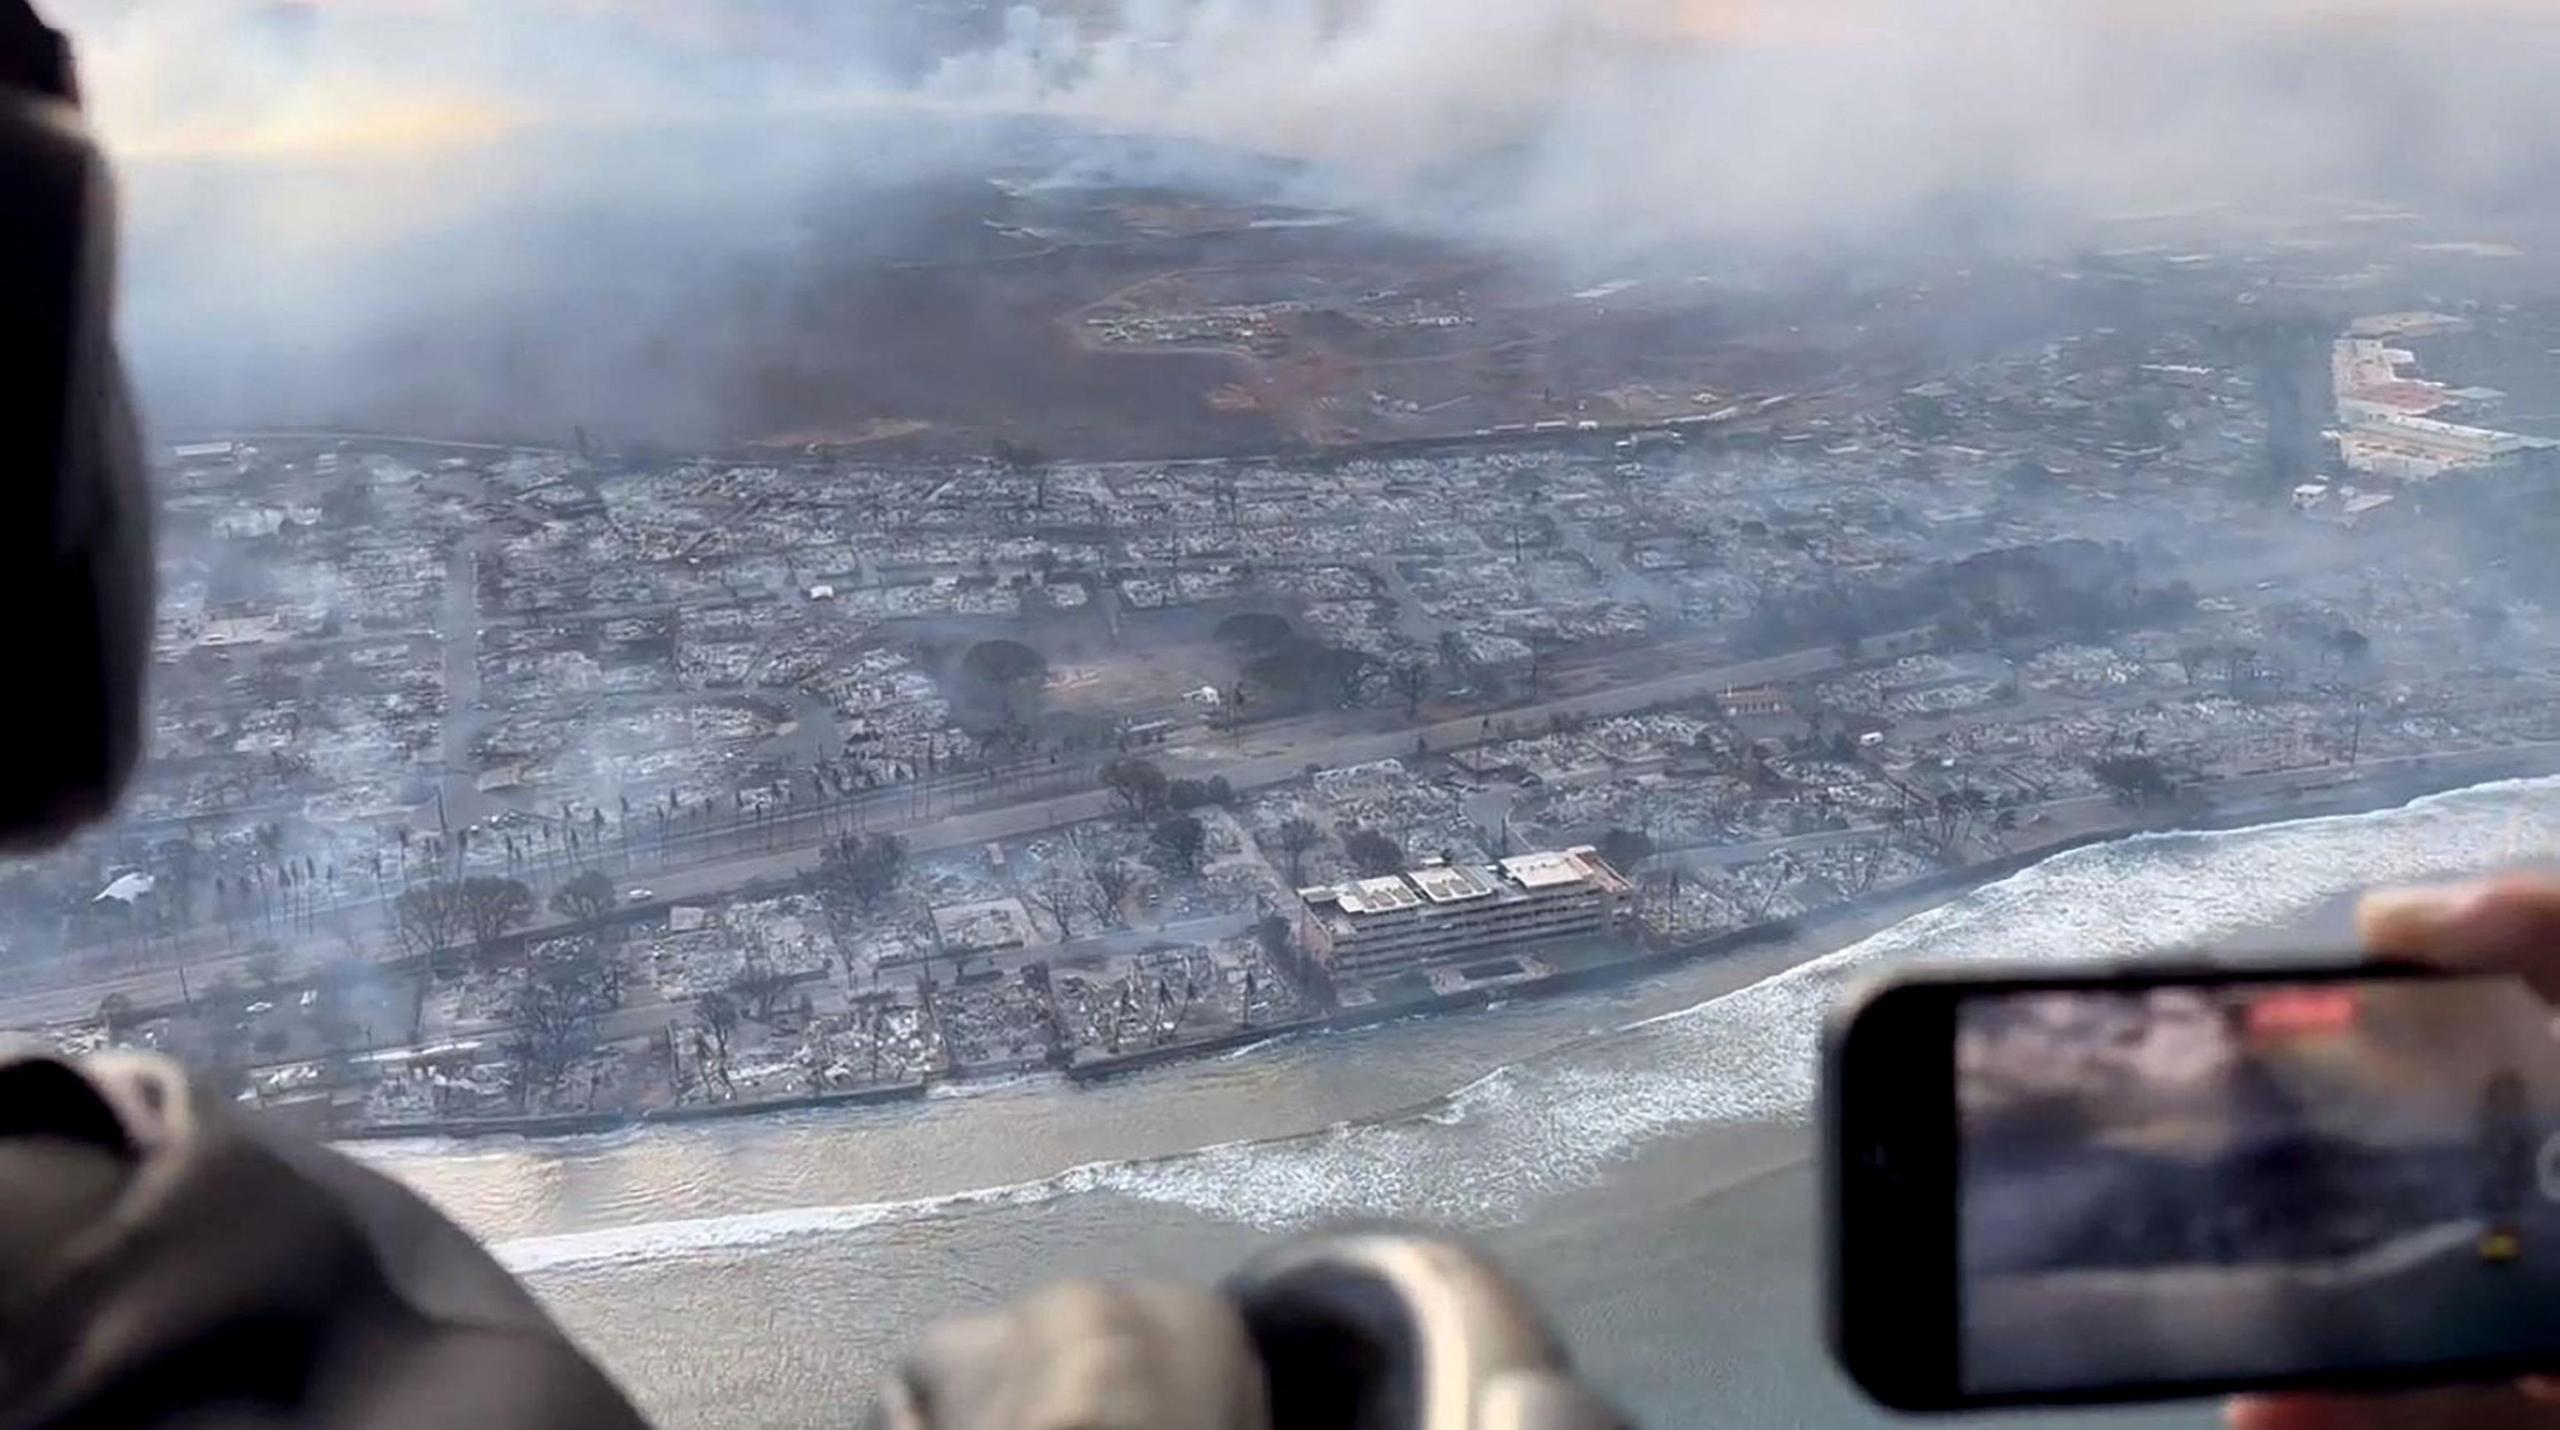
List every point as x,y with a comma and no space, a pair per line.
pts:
2509,924
2460,1408
2292,1412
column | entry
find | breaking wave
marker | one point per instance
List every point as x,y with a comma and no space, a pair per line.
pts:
1487,1151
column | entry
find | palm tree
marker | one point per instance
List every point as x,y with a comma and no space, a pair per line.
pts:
1973,803
1948,807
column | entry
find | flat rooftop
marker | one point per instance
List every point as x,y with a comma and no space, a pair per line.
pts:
1545,870
1448,883
1384,894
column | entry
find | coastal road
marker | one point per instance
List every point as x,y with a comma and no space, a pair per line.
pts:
1271,755
1268,755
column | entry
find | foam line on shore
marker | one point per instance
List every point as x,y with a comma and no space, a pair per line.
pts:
1487,1151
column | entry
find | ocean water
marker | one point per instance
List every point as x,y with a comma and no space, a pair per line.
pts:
1637,1154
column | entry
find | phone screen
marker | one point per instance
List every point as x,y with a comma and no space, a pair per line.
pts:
2220,1181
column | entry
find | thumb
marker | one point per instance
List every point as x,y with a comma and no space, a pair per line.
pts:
2476,1407
2508,924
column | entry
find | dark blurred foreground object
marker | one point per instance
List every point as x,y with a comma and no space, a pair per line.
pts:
75,545
165,1263
1356,1332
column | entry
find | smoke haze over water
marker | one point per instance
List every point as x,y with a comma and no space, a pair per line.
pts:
522,213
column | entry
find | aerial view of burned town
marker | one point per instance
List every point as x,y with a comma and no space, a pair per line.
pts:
2205,1182
1365,627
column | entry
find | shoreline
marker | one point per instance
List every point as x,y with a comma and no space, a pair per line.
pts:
1752,952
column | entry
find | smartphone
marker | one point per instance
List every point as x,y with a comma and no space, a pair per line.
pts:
2064,1188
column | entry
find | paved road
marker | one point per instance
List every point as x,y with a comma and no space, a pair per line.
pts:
1267,755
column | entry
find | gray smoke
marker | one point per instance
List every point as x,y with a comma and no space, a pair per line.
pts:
505,216
1577,128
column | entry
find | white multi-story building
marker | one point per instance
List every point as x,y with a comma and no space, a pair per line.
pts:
1366,927
2419,449
2388,430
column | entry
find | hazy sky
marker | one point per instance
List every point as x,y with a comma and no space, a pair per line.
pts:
179,75
1584,131
1670,115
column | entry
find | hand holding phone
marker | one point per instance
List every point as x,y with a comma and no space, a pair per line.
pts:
2054,1188
2510,925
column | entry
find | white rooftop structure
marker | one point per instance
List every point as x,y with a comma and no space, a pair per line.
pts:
2406,325
1448,883
1443,911
1383,894
1544,870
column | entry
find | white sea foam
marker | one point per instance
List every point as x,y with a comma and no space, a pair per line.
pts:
652,1241
1489,1150
984,1087
1249,1049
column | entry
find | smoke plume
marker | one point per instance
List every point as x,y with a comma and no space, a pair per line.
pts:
510,215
